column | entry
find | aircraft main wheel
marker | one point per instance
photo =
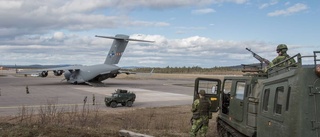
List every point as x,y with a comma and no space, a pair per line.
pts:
113,104
129,104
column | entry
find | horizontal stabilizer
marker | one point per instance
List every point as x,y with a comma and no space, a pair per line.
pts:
119,37
118,46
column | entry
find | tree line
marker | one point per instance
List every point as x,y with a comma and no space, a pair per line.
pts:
189,70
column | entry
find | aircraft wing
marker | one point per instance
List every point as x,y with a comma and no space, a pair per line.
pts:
119,72
68,68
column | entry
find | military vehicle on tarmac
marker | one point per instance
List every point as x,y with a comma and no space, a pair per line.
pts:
122,97
272,102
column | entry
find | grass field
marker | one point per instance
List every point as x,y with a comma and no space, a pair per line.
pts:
51,121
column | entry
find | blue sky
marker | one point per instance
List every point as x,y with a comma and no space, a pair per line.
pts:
205,33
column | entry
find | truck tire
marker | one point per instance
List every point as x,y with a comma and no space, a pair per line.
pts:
113,104
129,103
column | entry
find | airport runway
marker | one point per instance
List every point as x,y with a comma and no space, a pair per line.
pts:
50,91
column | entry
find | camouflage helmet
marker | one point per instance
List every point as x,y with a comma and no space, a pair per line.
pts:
282,48
202,92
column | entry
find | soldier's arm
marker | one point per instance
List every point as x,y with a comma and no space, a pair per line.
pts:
195,105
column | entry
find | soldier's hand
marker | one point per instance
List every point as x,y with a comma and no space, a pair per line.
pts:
191,121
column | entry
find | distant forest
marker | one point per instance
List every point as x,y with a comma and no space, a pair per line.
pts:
190,70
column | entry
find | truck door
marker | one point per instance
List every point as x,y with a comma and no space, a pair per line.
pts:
212,88
236,99
316,121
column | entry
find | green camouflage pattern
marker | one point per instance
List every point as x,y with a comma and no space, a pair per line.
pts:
199,125
282,46
282,57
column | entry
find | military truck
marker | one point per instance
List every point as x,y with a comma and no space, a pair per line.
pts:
120,96
267,101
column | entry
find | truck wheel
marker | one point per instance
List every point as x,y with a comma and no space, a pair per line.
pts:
113,104
129,104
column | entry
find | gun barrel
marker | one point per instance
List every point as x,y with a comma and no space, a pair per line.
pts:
250,51
261,59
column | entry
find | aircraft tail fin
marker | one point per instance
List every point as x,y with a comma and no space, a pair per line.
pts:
118,46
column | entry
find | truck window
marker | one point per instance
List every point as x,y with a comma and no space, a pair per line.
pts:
210,87
279,100
240,90
115,95
288,99
226,96
266,99
227,86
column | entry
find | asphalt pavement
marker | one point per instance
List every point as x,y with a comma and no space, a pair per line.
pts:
52,91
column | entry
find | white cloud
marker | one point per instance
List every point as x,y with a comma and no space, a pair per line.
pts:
36,32
287,3
232,1
203,11
91,50
239,1
189,51
35,17
161,4
58,35
28,17
8,4
290,10
266,5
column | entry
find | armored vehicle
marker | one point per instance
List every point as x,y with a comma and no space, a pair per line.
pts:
267,101
122,97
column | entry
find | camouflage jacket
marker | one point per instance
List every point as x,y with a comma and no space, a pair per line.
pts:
197,109
278,59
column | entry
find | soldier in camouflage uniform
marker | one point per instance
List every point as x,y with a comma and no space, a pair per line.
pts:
201,115
282,55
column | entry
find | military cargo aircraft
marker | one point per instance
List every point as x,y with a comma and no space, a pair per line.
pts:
95,73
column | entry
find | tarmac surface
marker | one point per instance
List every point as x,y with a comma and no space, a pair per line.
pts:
51,91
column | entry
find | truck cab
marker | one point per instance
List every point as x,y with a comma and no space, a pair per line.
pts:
277,101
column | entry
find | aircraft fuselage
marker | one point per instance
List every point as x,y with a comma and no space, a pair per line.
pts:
94,73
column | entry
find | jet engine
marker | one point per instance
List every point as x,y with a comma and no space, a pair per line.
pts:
43,74
67,75
57,72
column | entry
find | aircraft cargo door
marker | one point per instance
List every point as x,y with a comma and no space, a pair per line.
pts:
236,100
